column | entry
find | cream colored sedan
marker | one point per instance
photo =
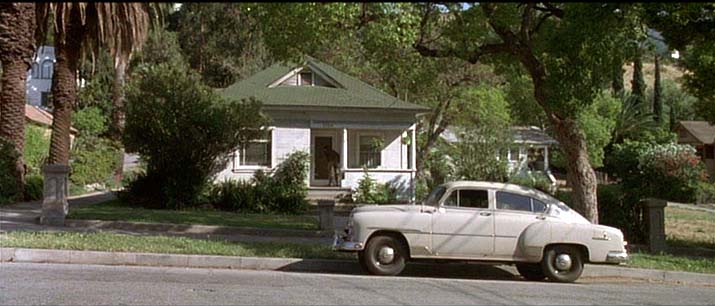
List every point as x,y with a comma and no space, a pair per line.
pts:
482,221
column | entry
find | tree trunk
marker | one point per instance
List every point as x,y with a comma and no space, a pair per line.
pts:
657,100
580,175
617,81
118,111
17,25
64,89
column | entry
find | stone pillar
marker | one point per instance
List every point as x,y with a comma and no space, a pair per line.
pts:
56,190
325,210
654,215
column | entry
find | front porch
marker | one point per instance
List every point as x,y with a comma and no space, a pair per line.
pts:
388,153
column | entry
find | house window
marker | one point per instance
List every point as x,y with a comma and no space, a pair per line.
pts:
370,151
46,99
46,72
514,154
255,153
35,72
306,78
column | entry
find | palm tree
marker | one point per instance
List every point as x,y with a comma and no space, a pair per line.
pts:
17,23
81,28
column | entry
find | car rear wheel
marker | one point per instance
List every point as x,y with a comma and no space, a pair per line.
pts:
562,263
532,272
384,255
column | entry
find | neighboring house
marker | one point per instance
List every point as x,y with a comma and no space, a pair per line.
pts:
312,106
39,79
701,135
529,152
38,116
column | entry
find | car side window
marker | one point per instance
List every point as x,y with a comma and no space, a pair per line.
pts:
452,199
510,201
473,198
538,206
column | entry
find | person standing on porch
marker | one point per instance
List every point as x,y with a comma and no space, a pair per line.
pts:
333,159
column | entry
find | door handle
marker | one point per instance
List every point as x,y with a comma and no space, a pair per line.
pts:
541,217
485,213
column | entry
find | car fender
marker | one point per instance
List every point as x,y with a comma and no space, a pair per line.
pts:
533,240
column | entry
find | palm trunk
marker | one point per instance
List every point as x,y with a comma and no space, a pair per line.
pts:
17,24
120,74
64,91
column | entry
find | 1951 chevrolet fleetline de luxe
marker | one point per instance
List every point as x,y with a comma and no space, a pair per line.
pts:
481,221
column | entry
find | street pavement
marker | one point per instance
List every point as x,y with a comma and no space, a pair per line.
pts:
57,284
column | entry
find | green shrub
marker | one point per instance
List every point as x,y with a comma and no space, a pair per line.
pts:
665,171
34,185
234,195
365,191
706,193
535,180
90,121
37,147
371,192
190,132
93,160
8,182
284,192
620,210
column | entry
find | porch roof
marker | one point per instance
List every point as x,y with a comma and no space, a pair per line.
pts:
701,130
352,92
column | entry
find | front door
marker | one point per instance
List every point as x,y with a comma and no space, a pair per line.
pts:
464,225
322,169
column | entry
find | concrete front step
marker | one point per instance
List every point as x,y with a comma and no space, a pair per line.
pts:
328,193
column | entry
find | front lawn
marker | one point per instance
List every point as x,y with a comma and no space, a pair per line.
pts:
109,242
117,211
666,261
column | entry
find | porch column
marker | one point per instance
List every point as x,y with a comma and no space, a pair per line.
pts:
413,161
344,154
546,158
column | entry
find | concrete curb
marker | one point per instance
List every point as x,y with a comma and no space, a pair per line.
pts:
195,229
293,264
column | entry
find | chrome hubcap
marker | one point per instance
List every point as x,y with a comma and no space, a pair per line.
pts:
563,262
386,255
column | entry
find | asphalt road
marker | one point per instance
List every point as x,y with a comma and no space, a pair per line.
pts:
94,285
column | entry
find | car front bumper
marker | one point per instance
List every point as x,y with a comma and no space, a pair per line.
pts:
340,244
617,257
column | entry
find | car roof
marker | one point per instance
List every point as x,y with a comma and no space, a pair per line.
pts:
513,188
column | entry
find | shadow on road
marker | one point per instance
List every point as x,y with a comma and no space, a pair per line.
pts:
429,270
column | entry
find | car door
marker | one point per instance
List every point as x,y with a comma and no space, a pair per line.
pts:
463,226
513,214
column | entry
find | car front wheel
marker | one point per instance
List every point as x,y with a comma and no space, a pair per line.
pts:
562,263
384,255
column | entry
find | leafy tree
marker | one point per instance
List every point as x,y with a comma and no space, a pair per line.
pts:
222,41
483,128
190,135
17,22
598,122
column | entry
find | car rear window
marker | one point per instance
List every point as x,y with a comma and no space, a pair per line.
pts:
510,201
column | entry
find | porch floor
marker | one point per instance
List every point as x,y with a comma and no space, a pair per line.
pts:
327,193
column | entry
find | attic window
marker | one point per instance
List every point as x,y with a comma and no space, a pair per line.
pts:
306,77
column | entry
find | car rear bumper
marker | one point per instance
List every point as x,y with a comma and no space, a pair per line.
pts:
617,257
339,244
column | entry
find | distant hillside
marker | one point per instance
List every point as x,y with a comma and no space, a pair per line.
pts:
667,72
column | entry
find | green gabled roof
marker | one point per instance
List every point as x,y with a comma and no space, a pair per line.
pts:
351,92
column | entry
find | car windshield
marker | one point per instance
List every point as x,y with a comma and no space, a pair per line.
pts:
434,196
